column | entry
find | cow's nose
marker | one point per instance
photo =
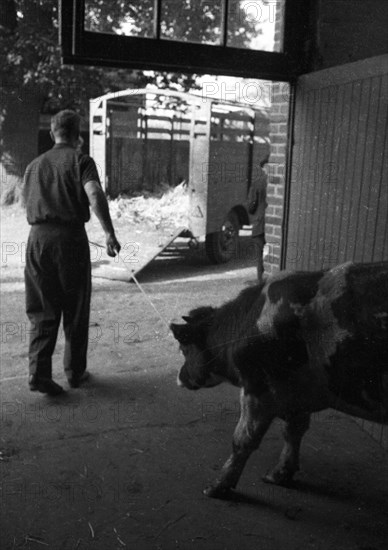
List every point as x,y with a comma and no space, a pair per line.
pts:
183,381
179,382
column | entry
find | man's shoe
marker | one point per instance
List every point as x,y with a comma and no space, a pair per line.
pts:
76,381
44,385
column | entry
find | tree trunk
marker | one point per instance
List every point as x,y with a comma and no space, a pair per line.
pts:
20,130
8,18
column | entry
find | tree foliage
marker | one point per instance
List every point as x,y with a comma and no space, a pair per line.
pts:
30,55
31,61
33,80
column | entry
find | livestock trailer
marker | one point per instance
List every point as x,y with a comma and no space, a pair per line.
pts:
140,138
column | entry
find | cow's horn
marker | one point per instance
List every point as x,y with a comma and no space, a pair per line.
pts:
186,318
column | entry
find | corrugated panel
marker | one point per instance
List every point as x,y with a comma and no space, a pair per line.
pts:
339,198
380,228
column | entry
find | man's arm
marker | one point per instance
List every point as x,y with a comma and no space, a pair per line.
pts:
99,205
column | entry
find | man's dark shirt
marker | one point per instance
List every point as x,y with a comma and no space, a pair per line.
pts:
258,196
54,186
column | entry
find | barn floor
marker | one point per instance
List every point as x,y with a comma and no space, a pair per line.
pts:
121,463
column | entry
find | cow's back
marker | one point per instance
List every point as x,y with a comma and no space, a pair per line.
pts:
346,330
364,304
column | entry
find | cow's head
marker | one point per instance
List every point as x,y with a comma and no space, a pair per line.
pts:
193,336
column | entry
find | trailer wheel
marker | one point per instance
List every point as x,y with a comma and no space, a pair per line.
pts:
221,246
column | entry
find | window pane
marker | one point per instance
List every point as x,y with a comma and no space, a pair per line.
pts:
252,24
134,18
192,20
256,24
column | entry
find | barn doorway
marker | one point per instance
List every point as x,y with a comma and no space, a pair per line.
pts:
214,139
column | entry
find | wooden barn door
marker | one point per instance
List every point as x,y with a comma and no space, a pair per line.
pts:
338,209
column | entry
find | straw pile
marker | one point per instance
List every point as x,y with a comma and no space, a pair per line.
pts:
168,208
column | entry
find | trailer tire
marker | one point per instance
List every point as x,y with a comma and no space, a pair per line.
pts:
221,246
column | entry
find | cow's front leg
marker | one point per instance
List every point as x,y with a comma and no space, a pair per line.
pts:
256,415
294,430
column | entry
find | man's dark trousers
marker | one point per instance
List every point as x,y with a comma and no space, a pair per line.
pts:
58,282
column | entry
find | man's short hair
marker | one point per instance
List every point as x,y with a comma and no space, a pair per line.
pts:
66,124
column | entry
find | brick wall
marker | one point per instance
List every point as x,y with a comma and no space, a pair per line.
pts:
277,162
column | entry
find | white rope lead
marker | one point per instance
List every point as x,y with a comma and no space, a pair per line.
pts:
138,286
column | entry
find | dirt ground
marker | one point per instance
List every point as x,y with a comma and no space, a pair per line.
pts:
121,463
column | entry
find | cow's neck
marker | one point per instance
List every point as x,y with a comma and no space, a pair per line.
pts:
232,327
221,356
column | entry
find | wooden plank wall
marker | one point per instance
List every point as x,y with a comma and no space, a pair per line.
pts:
339,189
135,165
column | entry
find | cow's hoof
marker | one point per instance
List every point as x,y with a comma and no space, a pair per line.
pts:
280,477
217,492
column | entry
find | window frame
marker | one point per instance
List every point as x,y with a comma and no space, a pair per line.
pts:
79,46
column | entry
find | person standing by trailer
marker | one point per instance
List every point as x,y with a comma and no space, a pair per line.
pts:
59,188
257,204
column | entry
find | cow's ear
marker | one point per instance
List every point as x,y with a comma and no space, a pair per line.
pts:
183,333
186,318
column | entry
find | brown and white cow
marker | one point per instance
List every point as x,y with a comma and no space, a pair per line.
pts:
302,342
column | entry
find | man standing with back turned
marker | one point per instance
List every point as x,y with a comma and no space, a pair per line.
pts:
59,186
257,203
